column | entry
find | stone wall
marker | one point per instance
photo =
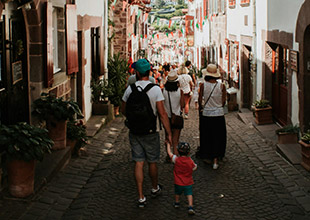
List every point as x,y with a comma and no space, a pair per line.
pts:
120,25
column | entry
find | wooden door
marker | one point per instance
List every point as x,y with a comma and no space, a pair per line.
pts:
279,84
14,70
306,104
247,84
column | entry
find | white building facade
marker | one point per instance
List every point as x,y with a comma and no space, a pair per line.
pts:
92,37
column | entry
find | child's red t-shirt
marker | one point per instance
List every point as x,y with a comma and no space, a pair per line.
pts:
183,170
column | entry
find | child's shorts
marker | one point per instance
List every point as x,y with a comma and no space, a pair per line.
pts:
178,190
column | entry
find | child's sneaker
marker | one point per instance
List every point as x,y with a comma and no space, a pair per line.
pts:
156,192
142,202
176,205
191,210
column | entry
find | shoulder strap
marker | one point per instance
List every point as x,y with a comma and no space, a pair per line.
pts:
169,103
133,87
148,87
210,95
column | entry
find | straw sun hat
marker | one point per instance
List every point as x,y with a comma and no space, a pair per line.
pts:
211,70
172,76
183,70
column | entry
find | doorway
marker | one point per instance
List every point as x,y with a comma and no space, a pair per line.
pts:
306,92
280,61
247,84
14,68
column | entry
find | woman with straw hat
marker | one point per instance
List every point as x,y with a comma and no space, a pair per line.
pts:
212,121
174,102
186,85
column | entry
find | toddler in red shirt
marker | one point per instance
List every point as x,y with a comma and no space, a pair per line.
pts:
183,174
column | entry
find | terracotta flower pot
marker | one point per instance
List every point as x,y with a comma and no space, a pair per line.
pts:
305,153
287,138
263,115
21,177
57,131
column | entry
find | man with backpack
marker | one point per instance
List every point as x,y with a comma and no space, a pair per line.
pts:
140,104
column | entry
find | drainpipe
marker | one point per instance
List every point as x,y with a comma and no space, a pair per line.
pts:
254,54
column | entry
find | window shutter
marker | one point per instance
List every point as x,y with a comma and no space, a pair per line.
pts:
101,50
72,47
49,77
204,8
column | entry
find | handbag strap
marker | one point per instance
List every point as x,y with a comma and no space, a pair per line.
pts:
169,102
209,95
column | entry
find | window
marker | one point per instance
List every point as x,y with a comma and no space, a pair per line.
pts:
232,3
58,40
95,52
55,39
245,2
136,26
205,8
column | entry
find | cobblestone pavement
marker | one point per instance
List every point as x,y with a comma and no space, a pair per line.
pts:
253,182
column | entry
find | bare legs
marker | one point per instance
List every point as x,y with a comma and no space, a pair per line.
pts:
189,198
187,98
153,172
139,177
175,139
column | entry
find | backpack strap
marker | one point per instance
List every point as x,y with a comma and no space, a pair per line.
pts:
149,86
133,87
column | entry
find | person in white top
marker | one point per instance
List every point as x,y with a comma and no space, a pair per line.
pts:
212,121
147,147
186,85
173,95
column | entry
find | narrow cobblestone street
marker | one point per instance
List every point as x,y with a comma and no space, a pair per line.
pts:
253,182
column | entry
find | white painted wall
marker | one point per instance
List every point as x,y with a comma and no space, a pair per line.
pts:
91,8
87,89
282,16
236,26
235,20
295,100
261,25
201,36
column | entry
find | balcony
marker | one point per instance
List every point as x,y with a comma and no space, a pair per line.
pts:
245,3
232,3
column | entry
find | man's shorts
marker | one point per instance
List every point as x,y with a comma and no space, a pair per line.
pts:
188,190
145,147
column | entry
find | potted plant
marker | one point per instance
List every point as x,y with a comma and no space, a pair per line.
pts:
288,134
76,135
305,150
118,73
56,112
23,144
262,112
101,90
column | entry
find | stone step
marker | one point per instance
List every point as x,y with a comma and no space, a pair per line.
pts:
291,152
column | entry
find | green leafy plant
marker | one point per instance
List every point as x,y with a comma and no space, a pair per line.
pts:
306,137
101,90
48,105
118,73
25,142
76,130
262,103
288,129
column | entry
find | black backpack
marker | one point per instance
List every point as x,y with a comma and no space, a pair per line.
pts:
140,118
